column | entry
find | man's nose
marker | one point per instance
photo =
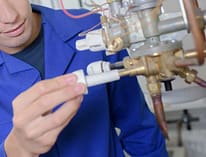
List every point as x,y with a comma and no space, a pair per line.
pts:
8,13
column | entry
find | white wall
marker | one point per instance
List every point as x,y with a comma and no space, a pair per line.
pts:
71,3
67,3
48,3
55,3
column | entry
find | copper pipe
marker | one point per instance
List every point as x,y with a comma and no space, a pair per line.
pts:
200,82
197,33
160,115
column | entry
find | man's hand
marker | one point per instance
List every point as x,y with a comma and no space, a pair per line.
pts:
35,127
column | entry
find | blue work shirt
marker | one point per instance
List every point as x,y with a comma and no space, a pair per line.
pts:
119,104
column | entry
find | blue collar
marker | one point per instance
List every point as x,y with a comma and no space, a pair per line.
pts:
13,64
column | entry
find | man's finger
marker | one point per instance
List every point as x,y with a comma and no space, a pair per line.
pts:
42,88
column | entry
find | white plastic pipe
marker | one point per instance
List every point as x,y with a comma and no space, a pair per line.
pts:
98,67
97,79
102,78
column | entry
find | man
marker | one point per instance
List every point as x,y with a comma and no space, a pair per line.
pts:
43,112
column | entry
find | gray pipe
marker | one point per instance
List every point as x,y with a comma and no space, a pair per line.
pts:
174,24
144,4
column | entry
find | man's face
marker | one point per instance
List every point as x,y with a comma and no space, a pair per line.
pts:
16,24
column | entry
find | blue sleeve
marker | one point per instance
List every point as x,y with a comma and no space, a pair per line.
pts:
5,128
140,135
2,150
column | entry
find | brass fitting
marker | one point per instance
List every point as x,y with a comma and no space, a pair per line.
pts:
179,53
103,19
188,75
131,62
146,65
132,71
153,85
115,45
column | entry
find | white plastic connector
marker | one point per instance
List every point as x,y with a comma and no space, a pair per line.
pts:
97,79
98,67
93,41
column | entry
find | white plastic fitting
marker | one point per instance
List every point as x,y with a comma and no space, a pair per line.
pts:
98,67
93,41
97,79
